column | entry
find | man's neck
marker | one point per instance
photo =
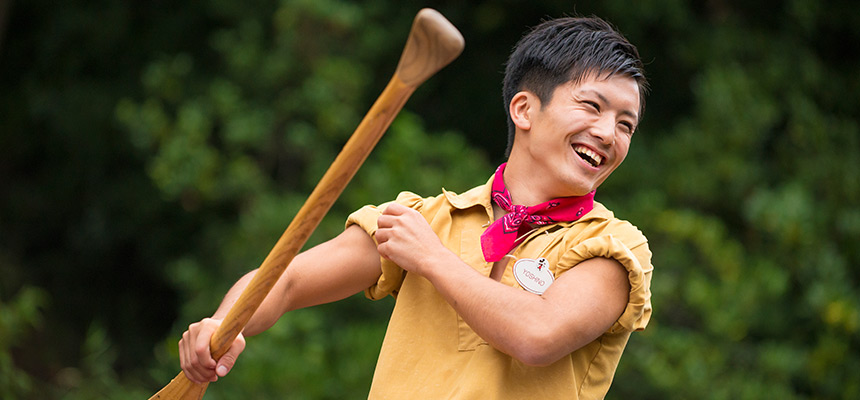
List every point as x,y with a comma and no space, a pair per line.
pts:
525,189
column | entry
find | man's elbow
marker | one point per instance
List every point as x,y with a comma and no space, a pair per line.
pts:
538,350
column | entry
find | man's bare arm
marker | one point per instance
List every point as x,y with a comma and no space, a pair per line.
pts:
331,271
576,309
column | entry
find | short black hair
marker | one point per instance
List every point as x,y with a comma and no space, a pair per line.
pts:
565,50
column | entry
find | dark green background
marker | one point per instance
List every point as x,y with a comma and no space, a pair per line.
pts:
153,151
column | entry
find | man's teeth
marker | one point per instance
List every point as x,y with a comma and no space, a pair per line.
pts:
588,155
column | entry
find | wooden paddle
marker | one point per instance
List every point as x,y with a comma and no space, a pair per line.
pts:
433,43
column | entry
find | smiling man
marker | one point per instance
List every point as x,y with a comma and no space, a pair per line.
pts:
522,287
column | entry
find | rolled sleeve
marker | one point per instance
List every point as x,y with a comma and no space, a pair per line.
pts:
637,262
392,275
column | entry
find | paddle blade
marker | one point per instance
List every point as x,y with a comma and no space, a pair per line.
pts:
181,388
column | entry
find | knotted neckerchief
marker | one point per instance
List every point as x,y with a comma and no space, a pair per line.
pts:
501,236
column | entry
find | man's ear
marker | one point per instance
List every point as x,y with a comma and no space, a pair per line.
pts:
520,108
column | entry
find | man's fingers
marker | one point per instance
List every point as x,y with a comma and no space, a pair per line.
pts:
384,221
201,346
195,356
195,359
226,362
391,214
394,209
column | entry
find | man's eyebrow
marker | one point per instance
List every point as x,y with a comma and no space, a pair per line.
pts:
606,101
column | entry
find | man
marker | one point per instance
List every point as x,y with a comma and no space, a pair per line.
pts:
521,287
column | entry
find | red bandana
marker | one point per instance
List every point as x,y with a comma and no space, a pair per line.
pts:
501,236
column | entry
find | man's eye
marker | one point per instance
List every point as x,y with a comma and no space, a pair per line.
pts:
593,104
626,127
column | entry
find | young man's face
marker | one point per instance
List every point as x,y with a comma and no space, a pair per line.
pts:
583,133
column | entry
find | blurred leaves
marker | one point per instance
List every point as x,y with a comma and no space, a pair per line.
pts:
18,318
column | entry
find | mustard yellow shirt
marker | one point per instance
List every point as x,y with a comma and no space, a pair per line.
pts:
429,352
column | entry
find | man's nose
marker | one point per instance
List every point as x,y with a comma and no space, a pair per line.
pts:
604,129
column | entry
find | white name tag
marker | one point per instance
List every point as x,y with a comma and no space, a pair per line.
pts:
533,275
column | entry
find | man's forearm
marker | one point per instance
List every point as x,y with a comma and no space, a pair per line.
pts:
328,272
262,319
537,330
503,316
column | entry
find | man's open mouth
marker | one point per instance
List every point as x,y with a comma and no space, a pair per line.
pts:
589,156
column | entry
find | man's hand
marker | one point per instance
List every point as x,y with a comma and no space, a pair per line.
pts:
194,355
405,238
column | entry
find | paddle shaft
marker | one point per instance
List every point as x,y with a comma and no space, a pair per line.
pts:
433,43
309,216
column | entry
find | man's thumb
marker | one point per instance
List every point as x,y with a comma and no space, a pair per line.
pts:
226,362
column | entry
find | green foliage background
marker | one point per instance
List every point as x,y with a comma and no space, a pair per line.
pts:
153,151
